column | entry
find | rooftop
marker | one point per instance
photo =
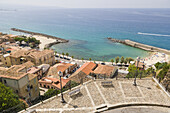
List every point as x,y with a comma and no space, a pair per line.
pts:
54,81
104,69
87,67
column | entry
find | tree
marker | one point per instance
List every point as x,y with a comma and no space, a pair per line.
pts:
112,61
82,59
55,52
67,54
126,60
72,57
122,60
90,59
63,54
117,59
130,59
8,99
50,93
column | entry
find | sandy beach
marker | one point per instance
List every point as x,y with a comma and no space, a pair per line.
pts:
43,40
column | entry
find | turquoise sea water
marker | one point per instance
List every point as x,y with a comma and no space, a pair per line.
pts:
87,29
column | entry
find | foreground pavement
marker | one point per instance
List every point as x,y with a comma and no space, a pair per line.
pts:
94,97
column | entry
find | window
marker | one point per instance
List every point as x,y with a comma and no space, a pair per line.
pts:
48,87
16,91
6,63
45,86
5,81
40,85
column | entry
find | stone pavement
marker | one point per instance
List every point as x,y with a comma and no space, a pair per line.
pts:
93,95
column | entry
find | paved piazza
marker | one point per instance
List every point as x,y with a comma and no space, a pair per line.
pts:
93,94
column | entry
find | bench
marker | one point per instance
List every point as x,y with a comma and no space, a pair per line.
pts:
106,83
76,91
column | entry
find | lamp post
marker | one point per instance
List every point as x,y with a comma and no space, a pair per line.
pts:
138,59
62,98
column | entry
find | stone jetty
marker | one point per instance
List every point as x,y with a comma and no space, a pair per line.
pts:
60,40
139,45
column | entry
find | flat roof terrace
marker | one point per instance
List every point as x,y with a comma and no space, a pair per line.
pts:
93,95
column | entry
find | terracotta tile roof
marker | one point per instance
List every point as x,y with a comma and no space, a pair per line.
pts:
54,81
62,67
33,70
32,76
87,67
28,64
18,53
140,65
38,54
104,69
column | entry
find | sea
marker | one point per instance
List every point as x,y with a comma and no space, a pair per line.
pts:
87,29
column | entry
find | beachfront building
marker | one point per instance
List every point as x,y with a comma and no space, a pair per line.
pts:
91,69
23,84
37,57
53,83
65,68
140,65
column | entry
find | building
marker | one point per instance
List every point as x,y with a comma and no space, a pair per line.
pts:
53,83
65,68
141,65
23,84
104,71
21,56
92,69
81,74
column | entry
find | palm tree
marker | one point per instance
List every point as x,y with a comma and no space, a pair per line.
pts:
63,54
122,60
67,54
90,59
82,59
117,59
112,61
126,60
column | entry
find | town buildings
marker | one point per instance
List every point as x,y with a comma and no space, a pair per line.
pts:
21,56
24,84
53,83
95,70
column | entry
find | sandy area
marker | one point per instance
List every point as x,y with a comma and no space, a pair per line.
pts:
43,40
156,57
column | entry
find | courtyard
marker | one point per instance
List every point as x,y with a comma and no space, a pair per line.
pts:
94,97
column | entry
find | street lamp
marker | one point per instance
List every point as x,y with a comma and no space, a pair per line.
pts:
138,59
62,98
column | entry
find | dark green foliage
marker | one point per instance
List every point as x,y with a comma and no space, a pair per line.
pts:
117,59
159,65
50,93
27,39
9,100
122,60
164,70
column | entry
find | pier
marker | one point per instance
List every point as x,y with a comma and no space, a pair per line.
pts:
139,45
60,40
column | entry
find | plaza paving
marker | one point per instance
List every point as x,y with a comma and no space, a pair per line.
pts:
93,94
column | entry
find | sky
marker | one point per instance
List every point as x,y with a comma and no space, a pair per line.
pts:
91,3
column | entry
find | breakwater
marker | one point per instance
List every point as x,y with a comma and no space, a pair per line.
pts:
140,45
60,40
